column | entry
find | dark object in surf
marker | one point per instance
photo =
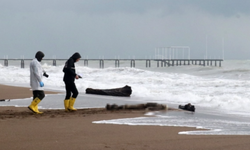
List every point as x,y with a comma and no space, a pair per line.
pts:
187,107
147,106
124,91
4,100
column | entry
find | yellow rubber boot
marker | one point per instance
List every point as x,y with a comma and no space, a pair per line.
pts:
39,112
71,104
34,106
66,104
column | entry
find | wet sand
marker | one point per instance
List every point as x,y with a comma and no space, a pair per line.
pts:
55,129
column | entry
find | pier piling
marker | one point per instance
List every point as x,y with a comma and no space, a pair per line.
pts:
159,62
6,62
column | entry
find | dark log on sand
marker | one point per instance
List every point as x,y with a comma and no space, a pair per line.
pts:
124,91
4,100
147,106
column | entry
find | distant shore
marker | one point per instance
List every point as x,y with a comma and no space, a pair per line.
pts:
56,129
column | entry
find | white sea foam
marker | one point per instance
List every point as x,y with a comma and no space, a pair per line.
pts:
225,89
221,88
208,124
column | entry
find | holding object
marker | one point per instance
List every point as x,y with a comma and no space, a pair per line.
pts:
45,74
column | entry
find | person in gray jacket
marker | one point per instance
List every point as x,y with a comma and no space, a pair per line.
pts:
36,83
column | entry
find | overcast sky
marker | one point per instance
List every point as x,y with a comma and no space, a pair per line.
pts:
124,28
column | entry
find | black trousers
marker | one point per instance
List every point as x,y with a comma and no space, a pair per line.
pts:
39,94
70,89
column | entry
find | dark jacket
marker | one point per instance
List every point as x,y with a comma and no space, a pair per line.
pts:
69,68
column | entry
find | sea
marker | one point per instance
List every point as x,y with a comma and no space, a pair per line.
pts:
221,95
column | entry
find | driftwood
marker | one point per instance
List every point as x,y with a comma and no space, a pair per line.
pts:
187,107
124,91
4,100
147,106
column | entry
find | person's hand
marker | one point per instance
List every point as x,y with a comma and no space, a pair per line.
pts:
77,77
41,84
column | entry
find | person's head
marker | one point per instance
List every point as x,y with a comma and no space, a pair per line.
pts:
39,56
76,57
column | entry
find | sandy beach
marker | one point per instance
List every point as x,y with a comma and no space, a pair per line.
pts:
55,129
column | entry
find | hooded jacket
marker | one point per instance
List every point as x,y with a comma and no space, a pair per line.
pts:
69,68
39,56
36,71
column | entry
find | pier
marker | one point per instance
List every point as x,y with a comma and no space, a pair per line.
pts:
164,57
159,62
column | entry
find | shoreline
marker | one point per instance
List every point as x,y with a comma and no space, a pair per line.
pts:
57,129
17,92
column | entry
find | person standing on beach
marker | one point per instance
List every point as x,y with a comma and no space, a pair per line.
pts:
69,80
36,83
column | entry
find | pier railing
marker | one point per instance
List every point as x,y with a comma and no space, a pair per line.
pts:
160,62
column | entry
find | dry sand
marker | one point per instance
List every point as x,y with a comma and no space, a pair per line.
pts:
55,129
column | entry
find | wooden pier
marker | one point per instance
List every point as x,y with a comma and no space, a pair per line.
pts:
180,62
159,62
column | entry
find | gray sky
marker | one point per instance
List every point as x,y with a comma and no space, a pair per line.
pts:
124,28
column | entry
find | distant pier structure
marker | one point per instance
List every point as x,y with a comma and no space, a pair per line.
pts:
180,55
172,52
164,57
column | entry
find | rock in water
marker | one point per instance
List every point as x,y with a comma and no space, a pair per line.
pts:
188,107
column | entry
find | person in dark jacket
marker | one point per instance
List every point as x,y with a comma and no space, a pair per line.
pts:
69,80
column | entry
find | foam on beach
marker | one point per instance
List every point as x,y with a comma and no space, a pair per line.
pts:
213,90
